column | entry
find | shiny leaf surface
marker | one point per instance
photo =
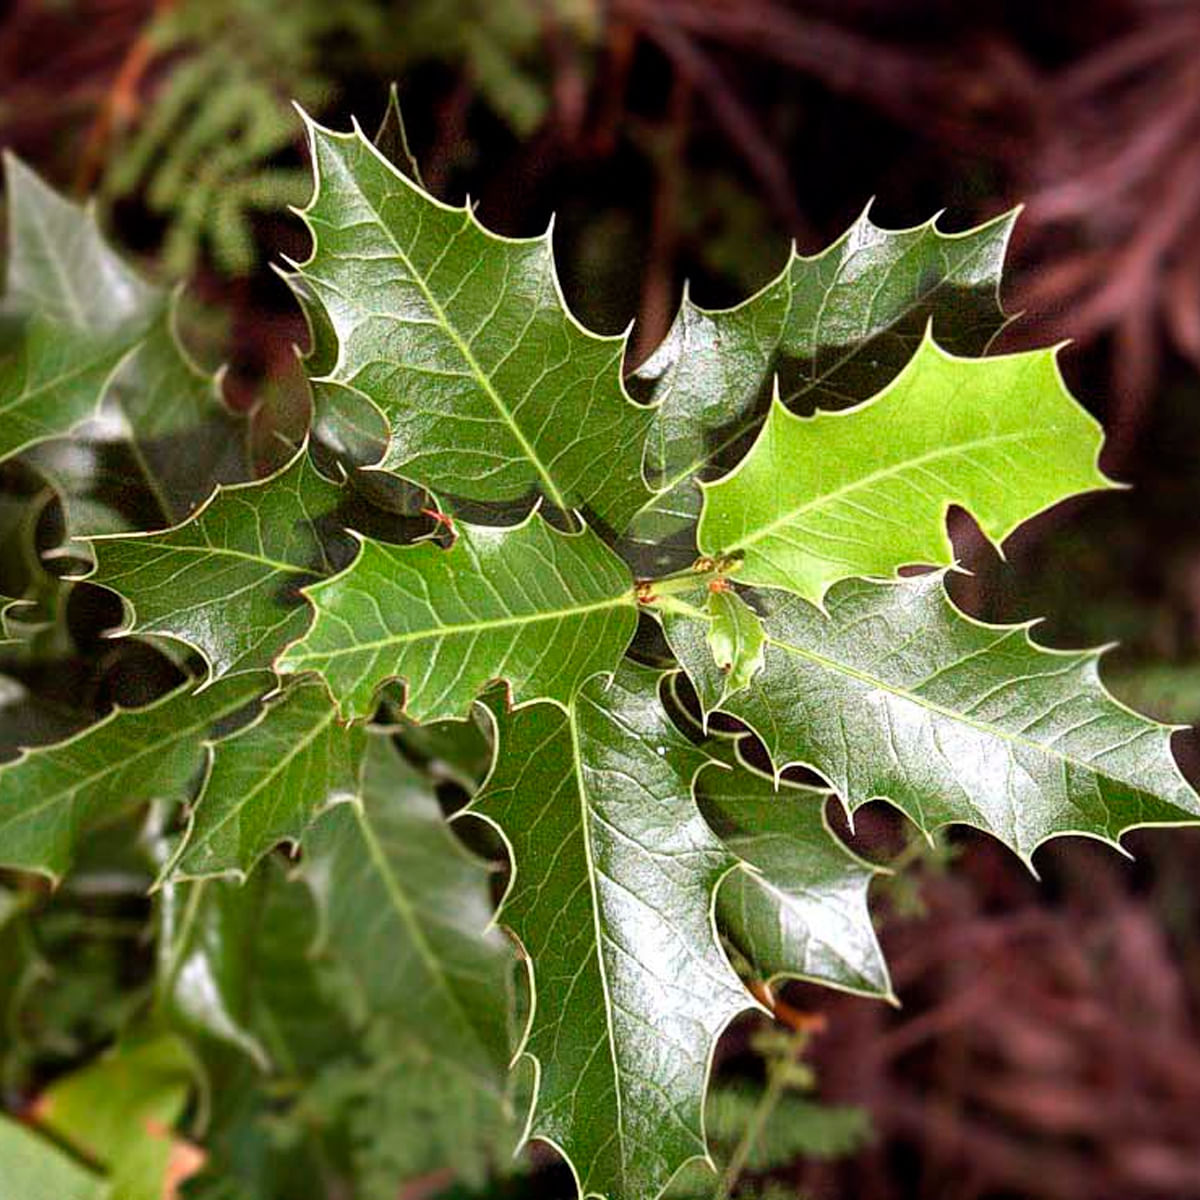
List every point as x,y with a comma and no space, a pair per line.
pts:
539,609
798,908
51,796
269,781
227,581
612,899
461,339
896,694
834,329
405,909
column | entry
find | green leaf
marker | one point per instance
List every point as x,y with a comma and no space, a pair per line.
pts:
95,338
834,329
490,388
540,609
798,908
721,645
118,1112
159,399
611,896
51,796
33,1168
227,581
866,490
268,782
82,309
894,693
405,908
236,964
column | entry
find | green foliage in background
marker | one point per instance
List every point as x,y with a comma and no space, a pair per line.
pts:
215,140
394,701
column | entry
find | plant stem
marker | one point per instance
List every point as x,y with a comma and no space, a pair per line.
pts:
776,1084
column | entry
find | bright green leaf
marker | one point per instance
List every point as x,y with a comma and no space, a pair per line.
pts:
540,609
834,329
866,490
720,645
33,1168
896,694
490,388
118,1111
612,899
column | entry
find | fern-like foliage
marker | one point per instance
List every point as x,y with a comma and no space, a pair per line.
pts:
215,141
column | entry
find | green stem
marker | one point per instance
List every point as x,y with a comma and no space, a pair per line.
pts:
772,1094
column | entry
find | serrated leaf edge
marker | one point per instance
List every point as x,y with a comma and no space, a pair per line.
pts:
170,873
128,626
520,1052
1091,658
861,223
187,687
313,128
878,871
780,412
534,514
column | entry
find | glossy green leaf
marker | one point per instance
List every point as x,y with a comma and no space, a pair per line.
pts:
268,782
798,908
866,490
404,909
894,693
83,308
51,796
236,964
539,609
33,1168
227,581
461,339
611,896
834,329
97,340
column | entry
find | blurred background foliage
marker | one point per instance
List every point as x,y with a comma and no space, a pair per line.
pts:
1049,1043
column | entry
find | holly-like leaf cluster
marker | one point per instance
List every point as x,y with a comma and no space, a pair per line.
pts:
446,588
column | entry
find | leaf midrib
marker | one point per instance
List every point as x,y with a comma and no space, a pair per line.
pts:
407,913
74,787
586,833
481,376
205,551
941,711
626,599
277,767
888,472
